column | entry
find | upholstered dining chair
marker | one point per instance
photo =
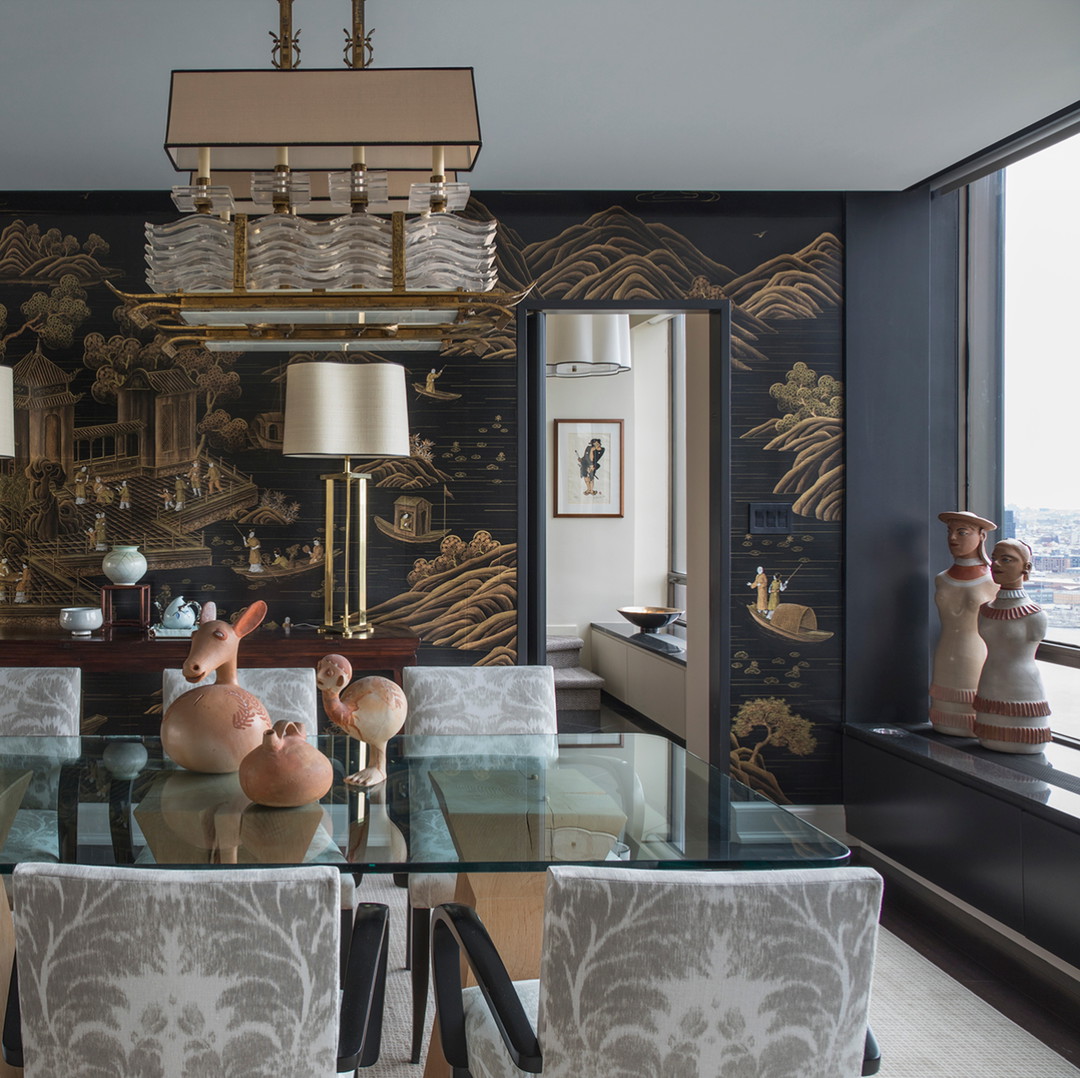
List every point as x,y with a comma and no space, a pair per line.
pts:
661,972
37,703
289,693
463,700
131,971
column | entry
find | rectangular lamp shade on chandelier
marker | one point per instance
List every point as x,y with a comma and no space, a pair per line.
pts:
346,410
7,414
586,345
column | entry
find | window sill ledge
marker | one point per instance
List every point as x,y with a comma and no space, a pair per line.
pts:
1046,783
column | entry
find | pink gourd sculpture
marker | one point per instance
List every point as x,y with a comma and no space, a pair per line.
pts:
211,728
285,771
371,709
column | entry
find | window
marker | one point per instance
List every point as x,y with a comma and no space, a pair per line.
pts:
1041,400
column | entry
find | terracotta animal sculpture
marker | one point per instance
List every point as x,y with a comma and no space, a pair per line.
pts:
211,728
371,709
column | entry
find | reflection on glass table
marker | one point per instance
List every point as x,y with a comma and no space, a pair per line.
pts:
472,804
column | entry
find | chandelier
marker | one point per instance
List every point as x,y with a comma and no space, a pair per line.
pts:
320,209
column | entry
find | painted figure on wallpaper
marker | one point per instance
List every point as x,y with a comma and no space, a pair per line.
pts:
414,520
768,722
959,592
254,549
792,621
776,586
427,387
812,427
297,559
761,582
22,585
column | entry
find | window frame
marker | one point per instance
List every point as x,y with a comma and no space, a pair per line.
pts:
981,371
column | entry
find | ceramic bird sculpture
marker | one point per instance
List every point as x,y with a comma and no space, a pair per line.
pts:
371,709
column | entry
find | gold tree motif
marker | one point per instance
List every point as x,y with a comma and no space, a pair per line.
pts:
781,729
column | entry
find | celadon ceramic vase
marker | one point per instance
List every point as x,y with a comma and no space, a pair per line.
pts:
124,564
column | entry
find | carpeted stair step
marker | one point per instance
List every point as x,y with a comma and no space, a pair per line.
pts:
564,651
577,689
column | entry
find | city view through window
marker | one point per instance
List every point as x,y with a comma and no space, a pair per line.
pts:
1042,392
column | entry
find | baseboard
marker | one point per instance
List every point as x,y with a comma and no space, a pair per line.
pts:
832,819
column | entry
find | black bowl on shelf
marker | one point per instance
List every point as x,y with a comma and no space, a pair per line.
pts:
650,619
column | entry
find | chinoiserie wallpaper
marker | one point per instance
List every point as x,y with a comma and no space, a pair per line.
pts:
119,442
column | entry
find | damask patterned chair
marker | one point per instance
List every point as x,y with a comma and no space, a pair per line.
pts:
648,973
37,704
463,700
130,971
289,693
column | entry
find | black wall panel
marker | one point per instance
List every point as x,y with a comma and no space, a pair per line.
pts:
965,841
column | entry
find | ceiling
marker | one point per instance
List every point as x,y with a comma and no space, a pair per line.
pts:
574,94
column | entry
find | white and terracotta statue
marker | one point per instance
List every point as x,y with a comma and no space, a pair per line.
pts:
959,592
211,728
371,709
1011,712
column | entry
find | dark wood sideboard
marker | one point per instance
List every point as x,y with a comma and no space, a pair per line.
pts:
118,651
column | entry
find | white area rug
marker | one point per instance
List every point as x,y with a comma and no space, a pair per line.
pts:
927,1024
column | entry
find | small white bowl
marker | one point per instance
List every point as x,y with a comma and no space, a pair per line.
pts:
81,620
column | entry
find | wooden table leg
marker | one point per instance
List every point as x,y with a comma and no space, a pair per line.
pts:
7,953
511,905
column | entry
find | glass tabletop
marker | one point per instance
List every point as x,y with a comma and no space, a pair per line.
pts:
449,804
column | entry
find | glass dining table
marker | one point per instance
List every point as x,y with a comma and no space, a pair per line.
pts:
461,804
490,812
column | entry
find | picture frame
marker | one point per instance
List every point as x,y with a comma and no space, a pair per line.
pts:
600,492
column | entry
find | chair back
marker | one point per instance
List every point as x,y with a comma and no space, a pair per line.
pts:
151,971
470,700
287,693
40,710
707,973
40,701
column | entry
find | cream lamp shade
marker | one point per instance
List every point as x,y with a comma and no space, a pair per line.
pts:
346,410
7,413
584,345
396,114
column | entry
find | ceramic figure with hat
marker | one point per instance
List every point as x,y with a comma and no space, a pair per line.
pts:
959,592
1011,711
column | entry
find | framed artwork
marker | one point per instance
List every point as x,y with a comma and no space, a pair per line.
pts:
588,473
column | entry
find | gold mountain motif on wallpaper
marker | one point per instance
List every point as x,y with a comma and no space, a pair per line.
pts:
470,604
28,256
615,255
799,285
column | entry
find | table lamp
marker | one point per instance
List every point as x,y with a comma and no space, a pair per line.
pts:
346,410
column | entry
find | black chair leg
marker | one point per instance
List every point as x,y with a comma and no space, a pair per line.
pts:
373,1039
420,927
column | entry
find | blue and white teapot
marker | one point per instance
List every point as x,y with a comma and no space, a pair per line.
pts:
180,614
